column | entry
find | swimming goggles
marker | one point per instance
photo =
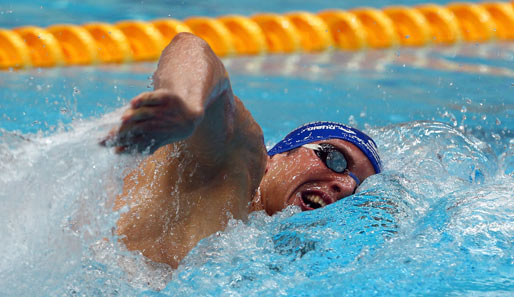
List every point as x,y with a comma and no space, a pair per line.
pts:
332,157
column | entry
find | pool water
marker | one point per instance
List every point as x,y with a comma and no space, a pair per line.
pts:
438,221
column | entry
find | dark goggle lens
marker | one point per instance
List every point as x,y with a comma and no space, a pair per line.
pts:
332,157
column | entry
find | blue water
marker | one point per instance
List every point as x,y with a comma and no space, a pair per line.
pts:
438,221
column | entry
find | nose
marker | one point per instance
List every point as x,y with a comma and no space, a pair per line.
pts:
341,188
336,187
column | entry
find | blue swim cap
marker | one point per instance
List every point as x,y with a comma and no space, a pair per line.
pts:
317,131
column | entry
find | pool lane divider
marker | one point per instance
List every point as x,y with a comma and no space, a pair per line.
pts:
352,30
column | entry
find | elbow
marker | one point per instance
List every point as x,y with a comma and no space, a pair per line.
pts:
188,41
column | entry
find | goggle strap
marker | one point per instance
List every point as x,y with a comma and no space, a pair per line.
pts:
312,146
355,178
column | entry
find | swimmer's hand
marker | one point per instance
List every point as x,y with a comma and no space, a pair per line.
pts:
154,119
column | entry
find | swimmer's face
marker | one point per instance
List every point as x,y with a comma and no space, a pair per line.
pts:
299,177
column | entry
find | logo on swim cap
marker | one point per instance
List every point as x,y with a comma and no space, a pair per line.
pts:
317,131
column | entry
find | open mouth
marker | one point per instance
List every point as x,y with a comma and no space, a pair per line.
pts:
313,200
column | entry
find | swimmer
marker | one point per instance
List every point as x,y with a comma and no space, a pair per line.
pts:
208,162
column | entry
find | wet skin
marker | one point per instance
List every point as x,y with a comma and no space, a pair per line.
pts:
207,161
292,176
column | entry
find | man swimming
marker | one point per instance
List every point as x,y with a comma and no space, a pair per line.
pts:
208,160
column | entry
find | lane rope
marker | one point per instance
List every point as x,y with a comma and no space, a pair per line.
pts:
355,29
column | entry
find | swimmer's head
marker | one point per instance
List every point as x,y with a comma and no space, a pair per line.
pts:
315,165
318,131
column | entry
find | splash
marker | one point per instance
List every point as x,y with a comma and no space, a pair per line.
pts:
437,221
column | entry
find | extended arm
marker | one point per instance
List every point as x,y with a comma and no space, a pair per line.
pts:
208,154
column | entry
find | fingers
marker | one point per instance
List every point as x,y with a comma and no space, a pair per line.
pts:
142,135
155,98
138,115
153,119
109,139
122,136
135,122
147,101
128,142
138,146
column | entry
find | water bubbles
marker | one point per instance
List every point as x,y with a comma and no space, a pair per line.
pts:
451,117
351,121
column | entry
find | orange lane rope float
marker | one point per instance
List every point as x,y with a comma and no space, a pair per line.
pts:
356,29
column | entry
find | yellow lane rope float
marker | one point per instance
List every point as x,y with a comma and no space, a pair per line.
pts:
356,29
